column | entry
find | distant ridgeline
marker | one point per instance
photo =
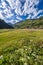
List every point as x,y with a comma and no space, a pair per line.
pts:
4,25
33,23
29,24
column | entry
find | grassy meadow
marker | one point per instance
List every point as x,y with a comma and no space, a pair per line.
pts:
21,47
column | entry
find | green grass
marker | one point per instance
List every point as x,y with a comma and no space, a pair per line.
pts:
29,24
21,47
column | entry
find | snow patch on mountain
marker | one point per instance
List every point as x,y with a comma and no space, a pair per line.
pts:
17,10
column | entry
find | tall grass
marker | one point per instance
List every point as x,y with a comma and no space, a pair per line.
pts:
21,47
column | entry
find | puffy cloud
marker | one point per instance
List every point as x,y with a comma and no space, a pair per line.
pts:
20,8
1,16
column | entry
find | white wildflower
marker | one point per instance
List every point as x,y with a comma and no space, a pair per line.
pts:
1,56
25,63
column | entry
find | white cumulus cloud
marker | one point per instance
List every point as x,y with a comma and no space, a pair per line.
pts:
16,6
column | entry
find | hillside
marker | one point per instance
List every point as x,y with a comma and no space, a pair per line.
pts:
34,23
4,25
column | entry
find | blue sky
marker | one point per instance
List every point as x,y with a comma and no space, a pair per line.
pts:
40,6
17,10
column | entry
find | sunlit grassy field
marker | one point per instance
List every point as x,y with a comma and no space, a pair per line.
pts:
21,47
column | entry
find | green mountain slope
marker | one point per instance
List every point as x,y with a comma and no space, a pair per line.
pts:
34,23
4,25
